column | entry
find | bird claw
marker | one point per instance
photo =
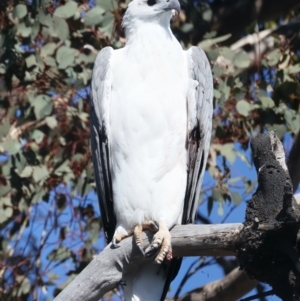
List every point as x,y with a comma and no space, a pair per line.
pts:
150,251
114,243
162,240
142,250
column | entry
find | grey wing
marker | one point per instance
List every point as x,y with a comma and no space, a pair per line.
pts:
200,111
99,125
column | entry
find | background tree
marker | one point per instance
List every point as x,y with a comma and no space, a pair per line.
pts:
49,217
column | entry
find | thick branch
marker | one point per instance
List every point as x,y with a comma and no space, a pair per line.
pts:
106,270
237,283
294,162
230,288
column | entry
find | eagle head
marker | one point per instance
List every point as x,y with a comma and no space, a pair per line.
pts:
154,11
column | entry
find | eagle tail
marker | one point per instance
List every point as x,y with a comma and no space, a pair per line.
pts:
145,284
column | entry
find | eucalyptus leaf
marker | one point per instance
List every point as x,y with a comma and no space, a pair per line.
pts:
242,59
107,5
31,61
226,53
292,120
267,102
236,198
37,136
279,128
20,11
4,128
42,106
243,107
50,61
40,173
12,146
35,29
66,11
227,150
187,27
25,286
94,16
273,57
51,122
61,28
220,208
63,168
38,195
217,94
59,254
207,44
48,49
94,230
294,69
26,172
6,210
23,30
217,194
5,189
65,57
40,62
107,24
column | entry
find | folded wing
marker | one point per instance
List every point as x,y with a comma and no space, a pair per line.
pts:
99,115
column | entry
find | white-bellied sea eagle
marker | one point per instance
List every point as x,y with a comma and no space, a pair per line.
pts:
151,120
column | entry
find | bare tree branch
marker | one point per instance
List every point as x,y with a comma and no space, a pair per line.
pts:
235,285
106,270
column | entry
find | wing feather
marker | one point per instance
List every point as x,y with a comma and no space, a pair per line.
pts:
99,122
200,110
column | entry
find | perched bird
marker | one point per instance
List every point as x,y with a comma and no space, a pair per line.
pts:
151,119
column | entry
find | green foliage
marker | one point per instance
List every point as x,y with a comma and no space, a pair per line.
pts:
46,60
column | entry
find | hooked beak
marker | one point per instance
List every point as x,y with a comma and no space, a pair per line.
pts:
174,6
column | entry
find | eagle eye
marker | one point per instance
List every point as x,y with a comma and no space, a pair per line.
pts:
151,2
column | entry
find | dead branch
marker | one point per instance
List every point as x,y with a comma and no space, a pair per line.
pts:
105,272
239,283
230,288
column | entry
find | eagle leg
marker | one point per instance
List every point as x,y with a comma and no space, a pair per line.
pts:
151,226
138,231
161,239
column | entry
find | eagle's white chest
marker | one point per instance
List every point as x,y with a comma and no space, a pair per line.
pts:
148,131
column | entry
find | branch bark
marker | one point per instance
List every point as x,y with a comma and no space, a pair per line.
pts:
105,272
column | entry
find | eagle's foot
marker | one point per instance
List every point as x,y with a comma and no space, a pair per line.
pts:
138,231
161,239
151,226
